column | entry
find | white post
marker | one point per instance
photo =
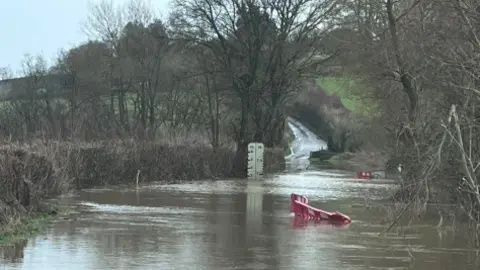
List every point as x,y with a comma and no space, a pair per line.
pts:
255,160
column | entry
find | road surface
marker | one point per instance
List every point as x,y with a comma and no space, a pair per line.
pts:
304,142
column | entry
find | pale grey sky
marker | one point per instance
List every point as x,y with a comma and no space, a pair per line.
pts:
45,26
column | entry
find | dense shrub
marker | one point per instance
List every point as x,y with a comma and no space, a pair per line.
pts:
30,173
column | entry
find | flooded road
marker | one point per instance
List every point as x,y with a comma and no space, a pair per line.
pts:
304,142
235,224
239,224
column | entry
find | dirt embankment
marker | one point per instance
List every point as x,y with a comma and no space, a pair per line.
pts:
31,173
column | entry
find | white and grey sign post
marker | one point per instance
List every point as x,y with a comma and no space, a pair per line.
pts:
254,190
255,160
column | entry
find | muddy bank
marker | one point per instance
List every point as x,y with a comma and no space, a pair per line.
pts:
31,173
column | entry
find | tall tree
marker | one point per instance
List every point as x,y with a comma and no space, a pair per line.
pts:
264,48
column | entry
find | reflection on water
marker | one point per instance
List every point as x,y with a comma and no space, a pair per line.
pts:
254,208
13,253
298,222
235,224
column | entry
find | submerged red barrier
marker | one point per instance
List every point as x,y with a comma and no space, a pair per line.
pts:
364,175
300,207
371,175
299,222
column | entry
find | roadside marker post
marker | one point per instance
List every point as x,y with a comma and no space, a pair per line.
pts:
255,160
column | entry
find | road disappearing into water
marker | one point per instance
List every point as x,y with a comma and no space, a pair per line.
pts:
304,142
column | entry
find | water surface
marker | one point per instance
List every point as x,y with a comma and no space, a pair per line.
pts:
236,224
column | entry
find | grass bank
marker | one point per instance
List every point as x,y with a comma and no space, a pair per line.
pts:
24,226
349,90
34,172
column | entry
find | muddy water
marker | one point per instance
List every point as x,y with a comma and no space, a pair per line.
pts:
235,224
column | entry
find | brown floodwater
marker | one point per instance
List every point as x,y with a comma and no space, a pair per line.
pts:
237,224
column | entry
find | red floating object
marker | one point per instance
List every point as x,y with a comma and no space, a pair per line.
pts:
299,222
364,175
299,206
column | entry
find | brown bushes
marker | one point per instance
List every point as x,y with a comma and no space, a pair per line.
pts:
25,178
274,160
29,173
115,163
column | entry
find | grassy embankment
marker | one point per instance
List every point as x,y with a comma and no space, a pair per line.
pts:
347,90
24,227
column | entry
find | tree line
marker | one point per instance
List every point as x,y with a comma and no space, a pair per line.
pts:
226,68
420,59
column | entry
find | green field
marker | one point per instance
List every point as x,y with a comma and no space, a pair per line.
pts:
346,88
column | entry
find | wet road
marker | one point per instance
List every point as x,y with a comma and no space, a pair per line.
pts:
304,142
234,224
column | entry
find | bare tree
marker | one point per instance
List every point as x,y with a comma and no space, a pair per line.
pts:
106,22
209,78
146,49
264,48
421,63
5,73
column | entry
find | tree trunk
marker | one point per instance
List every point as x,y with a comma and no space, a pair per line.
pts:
405,77
239,167
50,117
243,131
122,110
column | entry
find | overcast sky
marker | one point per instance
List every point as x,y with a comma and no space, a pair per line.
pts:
45,26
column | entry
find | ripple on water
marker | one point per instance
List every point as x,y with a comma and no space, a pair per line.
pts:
131,209
204,187
310,184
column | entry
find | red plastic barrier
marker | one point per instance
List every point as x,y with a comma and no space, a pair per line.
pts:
298,222
293,206
364,175
299,206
